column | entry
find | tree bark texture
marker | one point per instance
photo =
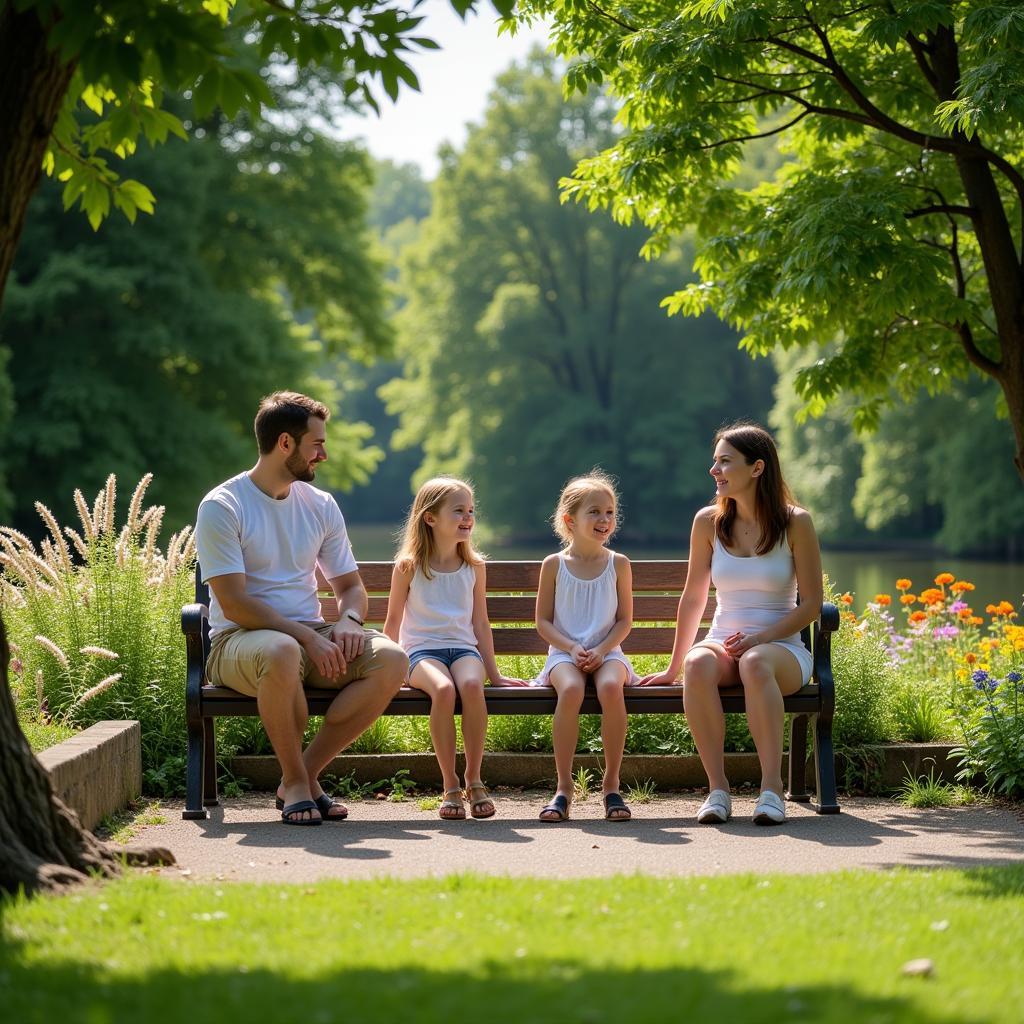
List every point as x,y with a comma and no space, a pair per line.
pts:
33,84
42,845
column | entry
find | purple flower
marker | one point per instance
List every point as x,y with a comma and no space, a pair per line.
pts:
958,606
1014,677
980,676
945,631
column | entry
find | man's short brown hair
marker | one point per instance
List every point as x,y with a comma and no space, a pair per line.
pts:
285,412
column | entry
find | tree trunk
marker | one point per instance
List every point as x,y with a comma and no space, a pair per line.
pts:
42,845
33,83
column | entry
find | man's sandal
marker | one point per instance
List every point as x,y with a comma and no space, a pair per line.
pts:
324,804
479,806
451,808
558,809
297,813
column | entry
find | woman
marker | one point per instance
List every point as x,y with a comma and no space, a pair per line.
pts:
760,550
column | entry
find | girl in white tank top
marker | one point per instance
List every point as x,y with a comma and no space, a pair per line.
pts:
437,611
584,612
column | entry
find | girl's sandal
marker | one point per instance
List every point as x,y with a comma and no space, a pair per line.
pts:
557,810
480,806
451,808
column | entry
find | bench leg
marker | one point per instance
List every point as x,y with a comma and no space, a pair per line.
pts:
194,772
824,768
797,790
210,798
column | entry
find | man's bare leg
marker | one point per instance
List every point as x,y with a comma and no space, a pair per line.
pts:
354,710
282,706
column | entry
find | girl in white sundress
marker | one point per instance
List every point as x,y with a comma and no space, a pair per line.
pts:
437,611
584,612
760,550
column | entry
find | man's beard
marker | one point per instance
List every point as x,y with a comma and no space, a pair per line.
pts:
299,468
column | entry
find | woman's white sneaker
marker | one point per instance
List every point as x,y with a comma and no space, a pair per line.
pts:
770,809
717,809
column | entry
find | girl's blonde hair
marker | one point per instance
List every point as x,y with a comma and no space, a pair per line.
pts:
418,545
575,492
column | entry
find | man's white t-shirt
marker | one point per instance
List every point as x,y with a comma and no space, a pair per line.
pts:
276,542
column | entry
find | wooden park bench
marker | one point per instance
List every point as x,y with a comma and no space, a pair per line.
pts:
512,588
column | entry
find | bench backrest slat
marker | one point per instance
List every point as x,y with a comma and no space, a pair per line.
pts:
649,575
508,608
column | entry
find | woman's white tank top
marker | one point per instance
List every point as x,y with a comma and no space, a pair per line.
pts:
752,592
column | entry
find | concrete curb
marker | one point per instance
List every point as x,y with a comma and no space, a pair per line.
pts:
881,764
97,772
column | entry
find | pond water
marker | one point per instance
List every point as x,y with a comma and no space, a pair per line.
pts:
864,573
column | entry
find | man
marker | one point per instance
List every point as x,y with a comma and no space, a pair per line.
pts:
260,536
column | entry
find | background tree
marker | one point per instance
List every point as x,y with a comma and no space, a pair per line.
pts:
896,226
67,63
533,342
398,205
146,347
935,470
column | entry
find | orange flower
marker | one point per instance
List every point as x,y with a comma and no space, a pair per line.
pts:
992,609
903,584
846,598
966,614
943,578
976,620
1005,608
932,596
918,617
970,658
908,598
883,599
961,586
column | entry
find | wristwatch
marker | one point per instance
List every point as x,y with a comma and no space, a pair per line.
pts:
349,614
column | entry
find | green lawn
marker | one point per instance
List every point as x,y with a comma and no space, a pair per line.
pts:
813,948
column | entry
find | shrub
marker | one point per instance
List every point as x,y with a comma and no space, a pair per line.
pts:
865,678
95,625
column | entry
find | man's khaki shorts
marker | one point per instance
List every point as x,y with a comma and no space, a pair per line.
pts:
238,658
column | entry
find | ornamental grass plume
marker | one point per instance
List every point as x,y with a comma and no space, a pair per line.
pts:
111,595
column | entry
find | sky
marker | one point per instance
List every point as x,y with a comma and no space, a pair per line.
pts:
454,83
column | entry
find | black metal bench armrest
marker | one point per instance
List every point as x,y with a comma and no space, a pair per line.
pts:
193,622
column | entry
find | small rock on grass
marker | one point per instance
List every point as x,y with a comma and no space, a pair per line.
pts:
920,968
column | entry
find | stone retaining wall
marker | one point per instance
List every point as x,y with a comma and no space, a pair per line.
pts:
97,772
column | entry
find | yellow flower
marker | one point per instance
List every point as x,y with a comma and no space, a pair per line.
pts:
943,578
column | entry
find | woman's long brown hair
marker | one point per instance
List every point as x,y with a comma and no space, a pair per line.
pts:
773,502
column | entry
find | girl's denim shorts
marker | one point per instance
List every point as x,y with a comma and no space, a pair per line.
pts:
446,655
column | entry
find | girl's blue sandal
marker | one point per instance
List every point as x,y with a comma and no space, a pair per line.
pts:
613,803
558,809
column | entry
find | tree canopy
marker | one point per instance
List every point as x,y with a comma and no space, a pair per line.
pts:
84,83
894,228
533,343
